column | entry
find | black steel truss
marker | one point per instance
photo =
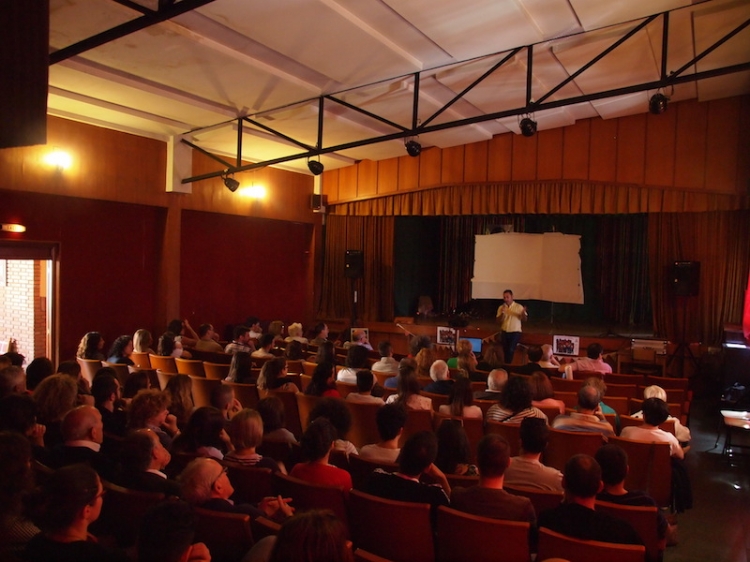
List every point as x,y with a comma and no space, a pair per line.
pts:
532,105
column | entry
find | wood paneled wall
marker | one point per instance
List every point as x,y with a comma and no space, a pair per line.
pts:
693,146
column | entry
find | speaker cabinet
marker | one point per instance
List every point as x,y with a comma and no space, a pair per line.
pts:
685,278
317,202
354,264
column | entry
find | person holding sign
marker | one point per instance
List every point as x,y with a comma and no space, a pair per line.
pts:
510,314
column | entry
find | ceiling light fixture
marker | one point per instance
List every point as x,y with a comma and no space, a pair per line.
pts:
658,104
13,227
528,127
413,148
231,183
316,167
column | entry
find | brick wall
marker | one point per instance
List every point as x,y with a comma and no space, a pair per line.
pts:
23,306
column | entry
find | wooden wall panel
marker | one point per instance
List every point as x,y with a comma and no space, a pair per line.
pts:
576,150
550,154
429,166
452,165
388,175
348,182
722,144
524,158
408,172
500,151
631,145
367,178
603,150
661,131
743,160
690,149
475,158
329,184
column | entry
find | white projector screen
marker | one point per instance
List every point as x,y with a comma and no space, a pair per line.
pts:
534,266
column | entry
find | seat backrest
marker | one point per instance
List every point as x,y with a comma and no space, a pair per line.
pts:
291,412
308,368
140,358
437,399
474,428
621,378
192,367
251,483
202,389
122,511
305,404
564,444
123,373
627,390
565,385
542,500
345,388
637,405
551,412
294,366
650,468
382,376
164,377
619,404
398,531
364,430
627,421
309,496
462,536
247,394
89,367
645,521
416,421
218,371
360,469
304,381
227,535
361,555
569,398
166,364
511,432
556,545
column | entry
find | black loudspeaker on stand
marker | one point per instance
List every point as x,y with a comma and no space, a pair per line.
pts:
685,281
354,268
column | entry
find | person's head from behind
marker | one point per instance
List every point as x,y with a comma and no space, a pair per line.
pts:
322,378
148,408
516,396
407,384
240,368
142,450
266,341
204,478
91,344
55,396
541,386
205,428
136,381
598,384
439,371
588,398
166,533
613,461
365,380
418,453
492,354
70,496
582,477
547,352
467,363
463,347
654,391
205,331
121,347
70,368
453,446
295,330
18,413
335,411
356,357
385,349
312,536
83,423
175,326
320,330
534,354
493,455
16,476
253,322
594,350
294,351
407,365
326,353
317,440
497,380
418,343
12,381
166,344
142,340
534,434
271,410
246,429
38,370
390,420
655,411
222,397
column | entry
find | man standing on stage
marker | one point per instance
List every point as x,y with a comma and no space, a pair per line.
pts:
510,315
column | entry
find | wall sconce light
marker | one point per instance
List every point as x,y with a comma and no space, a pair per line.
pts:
229,181
58,159
12,227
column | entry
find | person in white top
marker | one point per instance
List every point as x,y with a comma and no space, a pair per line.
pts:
655,411
510,314
390,419
548,361
365,382
592,362
461,399
387,363
356,360
680,431
295,333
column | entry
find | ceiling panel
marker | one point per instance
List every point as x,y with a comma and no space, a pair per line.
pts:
594,14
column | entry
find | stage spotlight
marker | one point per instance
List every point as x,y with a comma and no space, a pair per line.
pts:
658,104
413,148
315,166
231,183
528,127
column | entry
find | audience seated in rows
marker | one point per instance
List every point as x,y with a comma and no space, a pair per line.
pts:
514,403
454,451
143,459
91,347
296,333
441,381
224,400
241,341
272,413
319,334
326,353
106,392
273,376
55,396
167,534
241,369
142,341
406,364
323,381
534,355
408,390
149,410
680,431
336,412
170,346
356,359
461,401
386,364
542,393
655,412
316,444
390,420
121,350
589,416
592,362
264,347
207,339
16,480
526,470
365,384
204,434
246,433
180,391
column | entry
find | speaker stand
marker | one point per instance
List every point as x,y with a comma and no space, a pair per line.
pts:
683,350
354,303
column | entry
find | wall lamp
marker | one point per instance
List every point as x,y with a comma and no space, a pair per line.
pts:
413,148
229,181
315,166
528,127
13,227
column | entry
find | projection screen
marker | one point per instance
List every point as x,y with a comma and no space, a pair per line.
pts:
534,266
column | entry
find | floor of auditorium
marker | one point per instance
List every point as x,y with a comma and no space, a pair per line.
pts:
717,529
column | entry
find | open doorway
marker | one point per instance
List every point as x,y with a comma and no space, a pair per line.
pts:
27,298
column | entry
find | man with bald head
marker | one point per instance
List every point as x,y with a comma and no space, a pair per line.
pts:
589,416
495,382
83,433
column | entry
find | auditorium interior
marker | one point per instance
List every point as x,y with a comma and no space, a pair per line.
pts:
228,159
